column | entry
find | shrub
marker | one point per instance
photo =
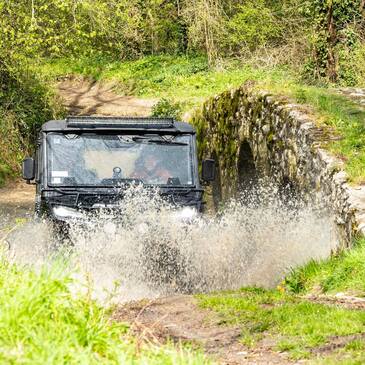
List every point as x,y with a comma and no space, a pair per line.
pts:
167,108
25,103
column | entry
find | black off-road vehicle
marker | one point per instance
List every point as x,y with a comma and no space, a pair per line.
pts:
83,164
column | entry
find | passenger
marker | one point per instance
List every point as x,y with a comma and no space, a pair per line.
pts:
149,170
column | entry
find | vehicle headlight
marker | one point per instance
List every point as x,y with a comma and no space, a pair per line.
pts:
66,212
186,214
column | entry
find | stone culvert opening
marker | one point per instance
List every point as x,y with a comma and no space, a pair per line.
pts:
247,173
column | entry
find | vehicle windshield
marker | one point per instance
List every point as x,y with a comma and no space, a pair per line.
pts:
110,160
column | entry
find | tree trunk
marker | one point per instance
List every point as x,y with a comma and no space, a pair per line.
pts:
331,43
32,21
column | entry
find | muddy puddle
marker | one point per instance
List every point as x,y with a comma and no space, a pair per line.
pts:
154,252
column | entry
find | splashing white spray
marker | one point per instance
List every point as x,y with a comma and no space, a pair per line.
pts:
147,250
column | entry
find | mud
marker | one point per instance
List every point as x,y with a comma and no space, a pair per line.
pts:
339,300
178,318
16,202
338,342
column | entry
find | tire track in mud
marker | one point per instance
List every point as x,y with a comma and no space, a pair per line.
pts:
179,319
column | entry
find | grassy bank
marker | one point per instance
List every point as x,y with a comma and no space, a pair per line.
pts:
25,103
344,272
295,324
43,321
188,81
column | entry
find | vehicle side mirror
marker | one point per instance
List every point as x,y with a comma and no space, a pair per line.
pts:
28,169
208,170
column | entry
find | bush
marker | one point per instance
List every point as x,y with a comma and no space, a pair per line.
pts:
25,104
167,108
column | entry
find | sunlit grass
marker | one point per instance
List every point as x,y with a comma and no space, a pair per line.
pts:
344,272
295,324
43,322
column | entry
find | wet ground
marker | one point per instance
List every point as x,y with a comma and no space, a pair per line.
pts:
16,202
179,319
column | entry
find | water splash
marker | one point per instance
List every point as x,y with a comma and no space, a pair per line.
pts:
146,250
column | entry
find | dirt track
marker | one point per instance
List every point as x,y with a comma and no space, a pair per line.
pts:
83,97
178,318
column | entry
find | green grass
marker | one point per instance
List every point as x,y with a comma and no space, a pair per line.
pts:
43,322
344,272
346,120
189,81
295,325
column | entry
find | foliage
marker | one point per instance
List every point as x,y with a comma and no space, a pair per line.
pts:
167,108
336,26
25,103
351,62
129,29
189,81
45,320
95,35
252,25
64,27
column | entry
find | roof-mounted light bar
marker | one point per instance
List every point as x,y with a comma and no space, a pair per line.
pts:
119,122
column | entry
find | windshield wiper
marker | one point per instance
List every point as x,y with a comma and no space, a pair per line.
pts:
159,141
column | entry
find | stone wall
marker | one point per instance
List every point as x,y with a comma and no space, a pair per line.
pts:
254,134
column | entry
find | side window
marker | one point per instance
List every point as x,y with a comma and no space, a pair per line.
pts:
38,164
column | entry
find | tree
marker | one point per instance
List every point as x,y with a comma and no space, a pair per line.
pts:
206,26
329,20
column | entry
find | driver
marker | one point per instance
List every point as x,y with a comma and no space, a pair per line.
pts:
149,169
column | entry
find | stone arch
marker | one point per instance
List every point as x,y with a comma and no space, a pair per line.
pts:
247,173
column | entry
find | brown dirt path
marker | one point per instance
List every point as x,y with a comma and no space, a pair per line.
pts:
340,300
178,318
84,97
357,95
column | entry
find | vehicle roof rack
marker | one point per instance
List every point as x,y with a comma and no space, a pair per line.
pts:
119,122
